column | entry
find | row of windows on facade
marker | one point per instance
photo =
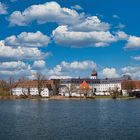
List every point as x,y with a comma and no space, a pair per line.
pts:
91,82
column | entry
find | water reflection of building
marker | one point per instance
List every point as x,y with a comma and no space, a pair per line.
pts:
99,86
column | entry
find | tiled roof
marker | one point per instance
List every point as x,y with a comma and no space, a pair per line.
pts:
32,83
136,83
84,85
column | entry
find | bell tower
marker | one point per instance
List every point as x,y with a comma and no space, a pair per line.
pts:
94,74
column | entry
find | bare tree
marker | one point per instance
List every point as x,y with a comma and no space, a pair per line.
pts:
40,82
129,86
114,92
72,88
11,82
25,86
26,91
55,86
4,88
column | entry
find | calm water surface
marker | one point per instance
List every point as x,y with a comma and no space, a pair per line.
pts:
70,120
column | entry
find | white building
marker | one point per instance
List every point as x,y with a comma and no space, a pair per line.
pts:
99,86
31,88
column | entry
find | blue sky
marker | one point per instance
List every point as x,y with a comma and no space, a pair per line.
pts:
66,38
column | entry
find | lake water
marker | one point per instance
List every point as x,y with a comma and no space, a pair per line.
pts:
102,119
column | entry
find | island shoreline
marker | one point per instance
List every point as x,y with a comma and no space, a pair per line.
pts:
64,98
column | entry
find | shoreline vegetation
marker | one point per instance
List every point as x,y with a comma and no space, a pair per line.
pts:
84,90
6,94
63,97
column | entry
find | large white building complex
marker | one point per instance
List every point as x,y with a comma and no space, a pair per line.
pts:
76,86
98,86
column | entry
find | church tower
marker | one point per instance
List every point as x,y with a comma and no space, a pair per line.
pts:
94,74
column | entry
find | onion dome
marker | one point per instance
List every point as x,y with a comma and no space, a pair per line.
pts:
94,73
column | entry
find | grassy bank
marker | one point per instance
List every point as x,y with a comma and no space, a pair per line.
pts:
63,97
94,97
110,97
20,97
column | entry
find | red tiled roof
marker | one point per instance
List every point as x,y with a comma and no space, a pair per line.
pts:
135,82
84,85
32,83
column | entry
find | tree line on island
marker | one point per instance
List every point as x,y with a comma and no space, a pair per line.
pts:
7,85
6,88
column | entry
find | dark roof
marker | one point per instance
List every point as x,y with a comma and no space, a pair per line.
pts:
94,73
91,81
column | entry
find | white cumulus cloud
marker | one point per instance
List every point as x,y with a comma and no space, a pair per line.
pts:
133,71
120,26
78,65
20,52
13,65
137,58
63,36
116,16
133,43
109,73
122,35
72,69
89,24
3,9
15,69
77,7
16,73
43,13
59,77
29,39
39,64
